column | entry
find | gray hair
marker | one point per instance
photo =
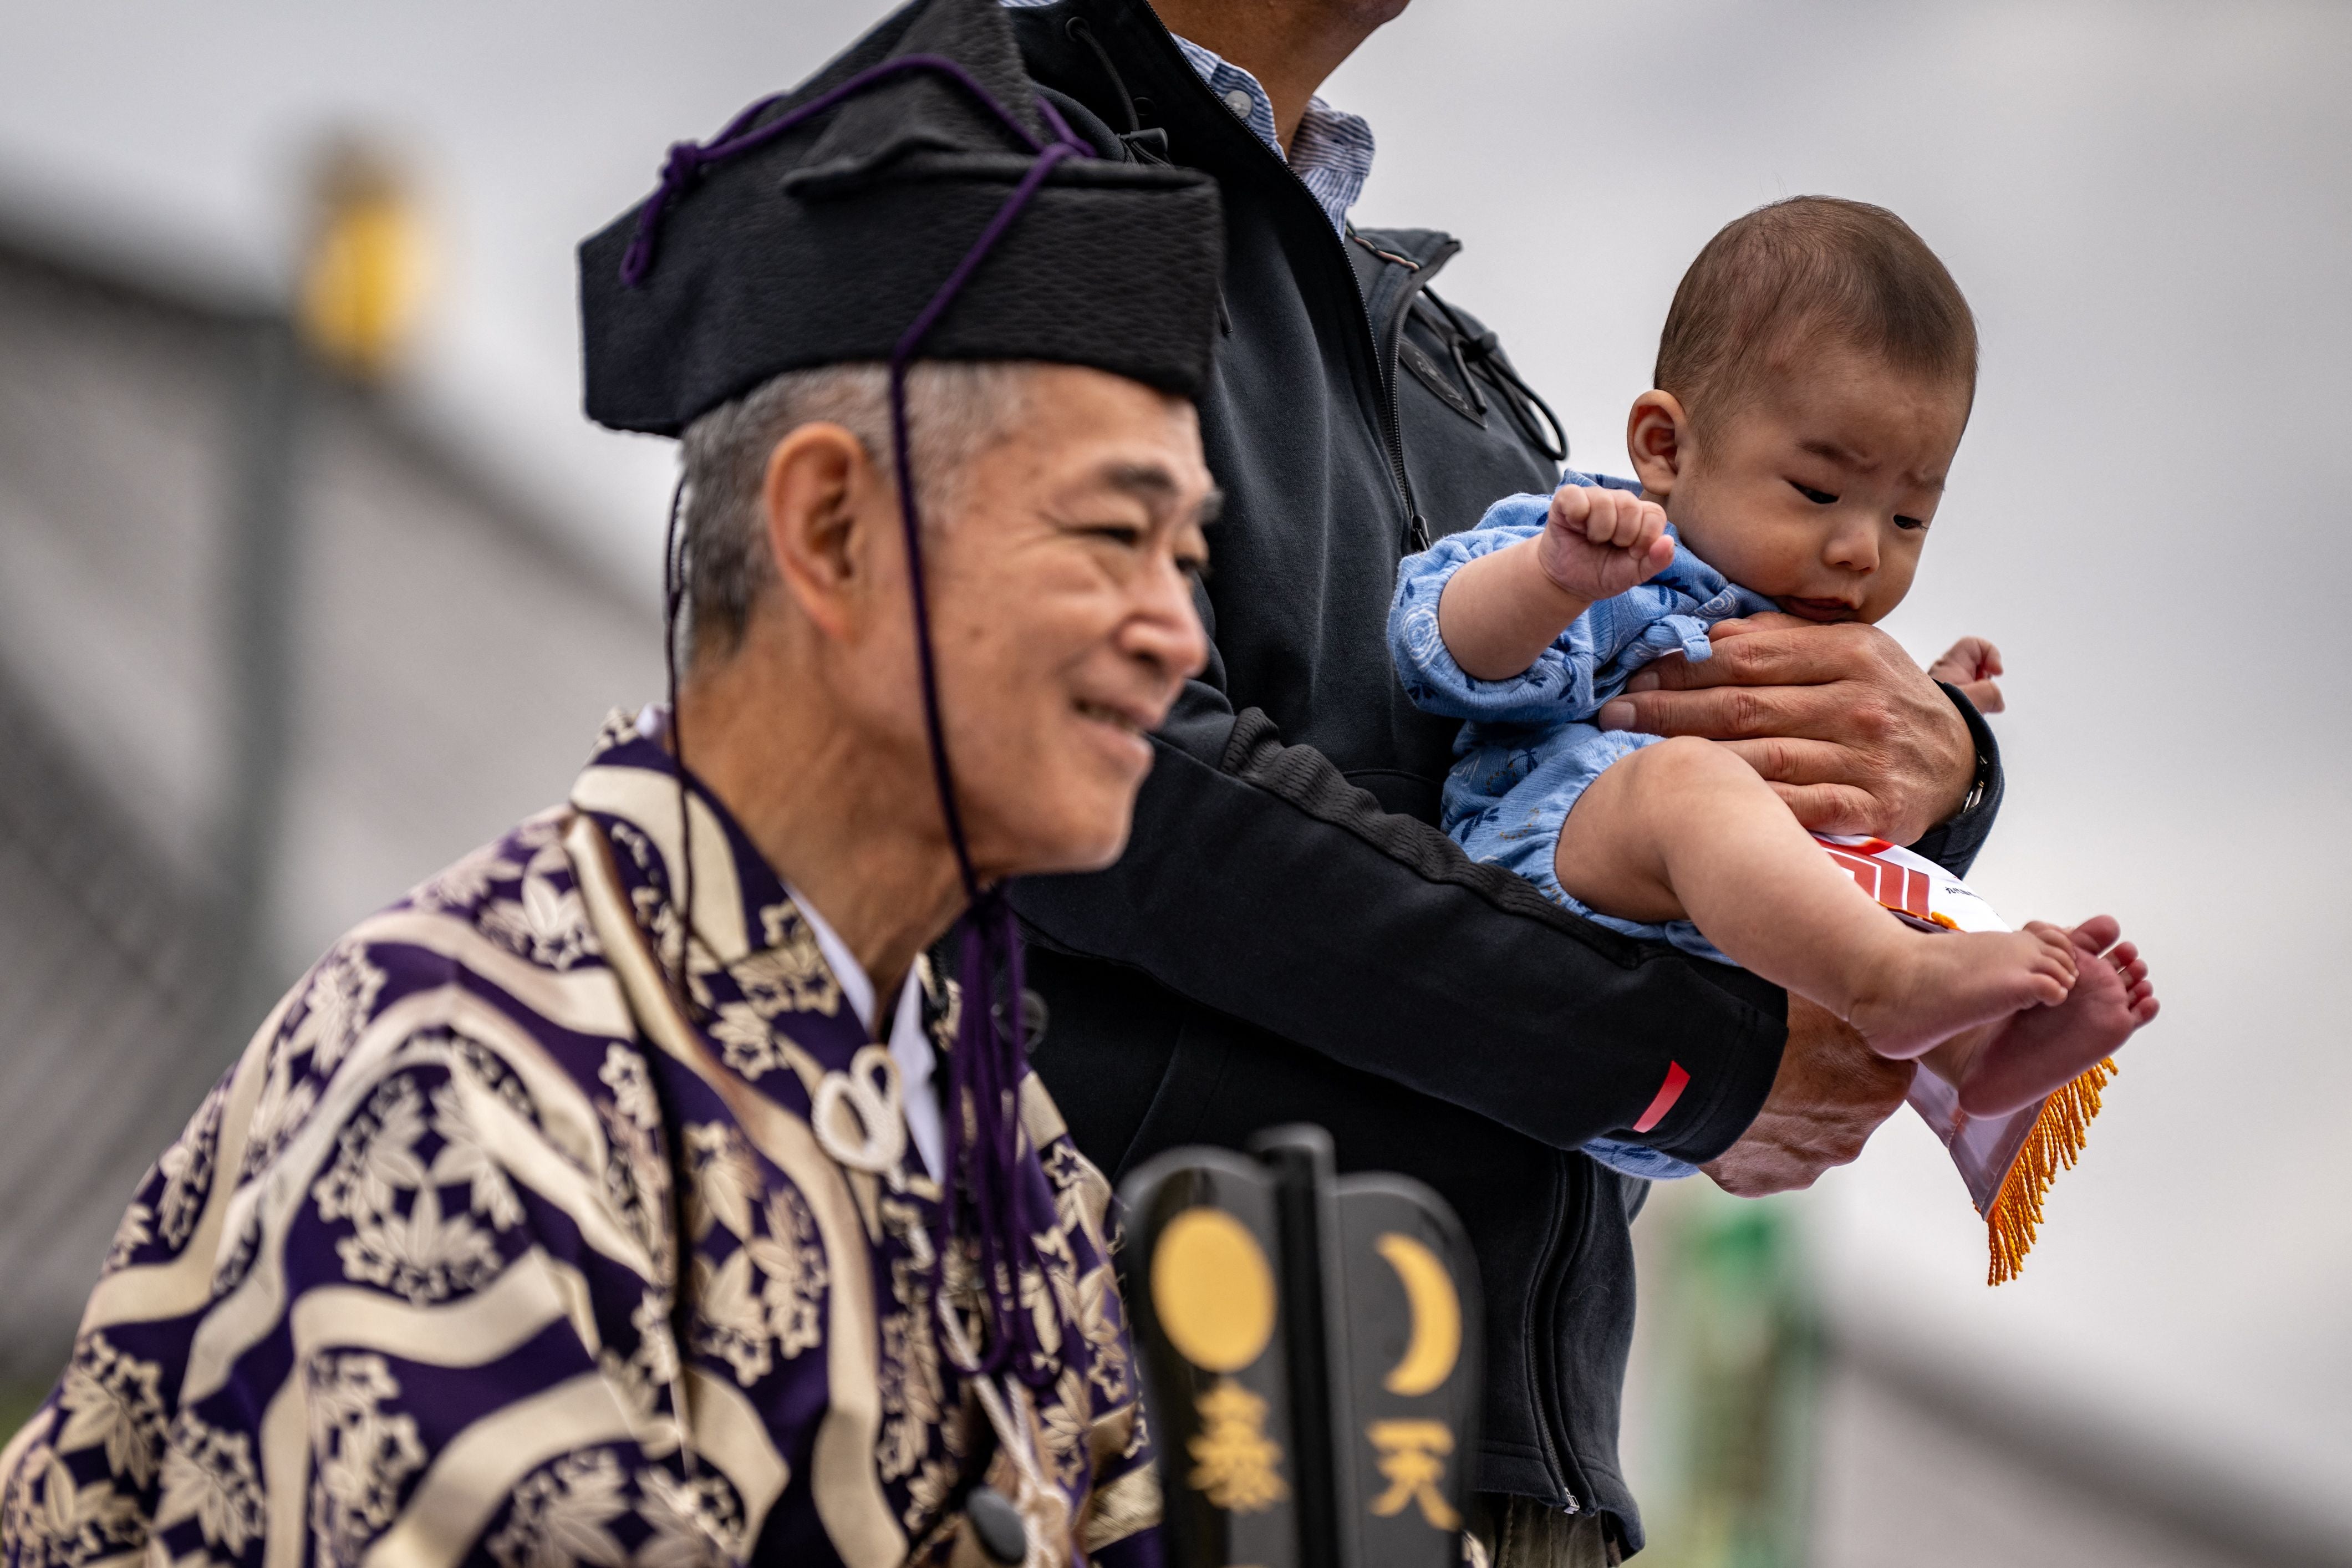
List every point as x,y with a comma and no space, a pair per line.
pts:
955,411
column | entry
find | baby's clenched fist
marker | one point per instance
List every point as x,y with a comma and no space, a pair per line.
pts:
1599,543
1971,664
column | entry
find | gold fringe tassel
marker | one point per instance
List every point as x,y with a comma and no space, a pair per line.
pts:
2054,1144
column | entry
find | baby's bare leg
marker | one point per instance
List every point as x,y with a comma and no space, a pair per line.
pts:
1685,829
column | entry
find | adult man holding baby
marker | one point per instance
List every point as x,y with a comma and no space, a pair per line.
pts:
1288,936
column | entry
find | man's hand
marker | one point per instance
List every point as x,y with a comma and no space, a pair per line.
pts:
1831,1094
1598,543
1837,718
1970,664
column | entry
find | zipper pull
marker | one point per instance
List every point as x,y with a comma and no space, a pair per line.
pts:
1416,538
1150,145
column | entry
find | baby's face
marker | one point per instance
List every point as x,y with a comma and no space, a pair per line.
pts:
1818,495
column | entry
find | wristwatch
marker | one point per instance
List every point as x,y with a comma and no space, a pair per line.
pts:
1978,737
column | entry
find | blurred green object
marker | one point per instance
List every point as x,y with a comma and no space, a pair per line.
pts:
1732,1352
18,1403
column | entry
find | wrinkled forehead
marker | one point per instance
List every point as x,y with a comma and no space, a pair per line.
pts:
1087,433
1845,403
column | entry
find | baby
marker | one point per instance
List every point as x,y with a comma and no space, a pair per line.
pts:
1816,372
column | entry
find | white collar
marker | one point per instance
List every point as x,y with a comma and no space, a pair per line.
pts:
909,1047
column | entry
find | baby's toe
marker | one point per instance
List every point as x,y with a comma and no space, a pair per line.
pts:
2095,934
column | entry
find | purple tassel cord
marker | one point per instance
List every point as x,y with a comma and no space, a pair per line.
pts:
984,1069
984,1074
984,1186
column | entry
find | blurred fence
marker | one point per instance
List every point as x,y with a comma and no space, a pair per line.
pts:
113,969
269,653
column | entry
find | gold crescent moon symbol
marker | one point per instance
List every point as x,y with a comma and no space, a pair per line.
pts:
1436,1342
1213,1289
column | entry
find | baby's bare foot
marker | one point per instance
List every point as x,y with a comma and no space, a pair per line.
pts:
2042,1049
1944,984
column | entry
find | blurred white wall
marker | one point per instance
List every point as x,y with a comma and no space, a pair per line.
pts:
2150,203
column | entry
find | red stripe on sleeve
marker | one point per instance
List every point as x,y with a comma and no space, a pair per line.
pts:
1668,1093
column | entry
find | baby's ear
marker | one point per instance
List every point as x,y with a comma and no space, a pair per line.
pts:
1657,439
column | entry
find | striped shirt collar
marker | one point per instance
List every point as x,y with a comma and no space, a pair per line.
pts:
1332,151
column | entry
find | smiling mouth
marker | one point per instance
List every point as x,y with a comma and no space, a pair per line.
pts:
1820,609
1117,718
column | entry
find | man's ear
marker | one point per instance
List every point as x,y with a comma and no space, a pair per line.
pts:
818,487
1657,438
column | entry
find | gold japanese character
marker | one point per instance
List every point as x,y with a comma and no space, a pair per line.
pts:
1412,1461
1235,1465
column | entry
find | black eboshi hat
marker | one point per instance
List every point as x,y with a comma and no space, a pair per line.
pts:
817,227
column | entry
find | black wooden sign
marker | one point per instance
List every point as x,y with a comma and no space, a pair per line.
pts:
1310,1357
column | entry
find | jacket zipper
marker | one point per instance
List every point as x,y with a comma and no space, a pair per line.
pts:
1421,272
1560,1242
1416,531
1559,1254
1550,1424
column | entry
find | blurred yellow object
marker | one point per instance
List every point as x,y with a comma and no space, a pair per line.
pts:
365,278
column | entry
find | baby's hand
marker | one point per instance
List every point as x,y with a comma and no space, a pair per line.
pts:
1599,543
1970,664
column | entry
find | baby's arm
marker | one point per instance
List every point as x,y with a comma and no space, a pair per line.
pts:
1502,610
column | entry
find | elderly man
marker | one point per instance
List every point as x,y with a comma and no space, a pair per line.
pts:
1289,937
604,1200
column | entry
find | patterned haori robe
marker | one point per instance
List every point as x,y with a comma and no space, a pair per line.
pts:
406,1290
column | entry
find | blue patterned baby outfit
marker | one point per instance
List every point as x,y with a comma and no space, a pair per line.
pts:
1530,748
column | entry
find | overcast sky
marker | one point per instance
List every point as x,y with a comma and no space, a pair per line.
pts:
2148,203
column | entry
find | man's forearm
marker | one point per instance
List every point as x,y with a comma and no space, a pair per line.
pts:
1260,883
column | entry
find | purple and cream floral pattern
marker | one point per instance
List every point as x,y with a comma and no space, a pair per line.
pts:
407,1292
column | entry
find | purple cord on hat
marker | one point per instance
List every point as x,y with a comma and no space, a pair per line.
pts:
688,159
901,358
983,1174
984,1069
